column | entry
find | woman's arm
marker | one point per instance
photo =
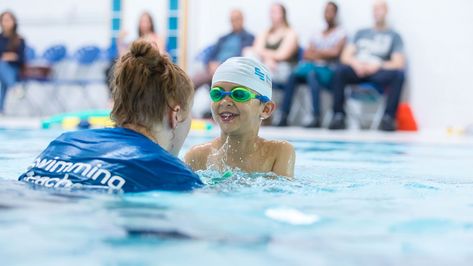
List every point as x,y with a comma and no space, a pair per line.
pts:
9,57
259,44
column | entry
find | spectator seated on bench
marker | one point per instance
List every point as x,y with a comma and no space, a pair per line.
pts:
316,69
229,45
374,55
12,55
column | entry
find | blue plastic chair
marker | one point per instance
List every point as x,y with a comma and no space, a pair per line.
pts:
43,71
55,54
30,54
49,59
109,54
84,58
369,93
87,55
366,93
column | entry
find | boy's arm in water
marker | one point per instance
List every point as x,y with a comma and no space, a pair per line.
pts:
285,159
197,156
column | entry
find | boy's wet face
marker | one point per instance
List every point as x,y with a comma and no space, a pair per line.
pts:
236,117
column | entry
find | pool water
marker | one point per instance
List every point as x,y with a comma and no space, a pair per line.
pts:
351,203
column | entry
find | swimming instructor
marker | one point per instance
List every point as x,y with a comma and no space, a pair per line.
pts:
152,102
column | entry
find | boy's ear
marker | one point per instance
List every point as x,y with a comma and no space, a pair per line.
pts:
268,110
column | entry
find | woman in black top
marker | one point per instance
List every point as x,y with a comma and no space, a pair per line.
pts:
12,48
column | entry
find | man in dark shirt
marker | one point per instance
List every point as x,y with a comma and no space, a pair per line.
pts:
227,46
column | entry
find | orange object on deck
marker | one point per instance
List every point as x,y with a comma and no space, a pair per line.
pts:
405,118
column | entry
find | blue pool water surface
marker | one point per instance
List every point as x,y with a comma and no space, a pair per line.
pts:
351,203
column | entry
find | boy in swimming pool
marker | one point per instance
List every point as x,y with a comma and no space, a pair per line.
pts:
241,98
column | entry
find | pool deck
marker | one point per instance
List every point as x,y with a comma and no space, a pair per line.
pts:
297,133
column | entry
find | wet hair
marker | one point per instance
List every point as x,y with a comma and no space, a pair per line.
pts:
145,84
14,39
335,6
150,18
284,15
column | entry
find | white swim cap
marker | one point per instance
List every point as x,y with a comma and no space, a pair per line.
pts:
246,72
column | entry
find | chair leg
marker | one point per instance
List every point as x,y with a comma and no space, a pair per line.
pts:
33,106
354,113
87,97
378,116
56,87
301,106
1,92
371,97
327,118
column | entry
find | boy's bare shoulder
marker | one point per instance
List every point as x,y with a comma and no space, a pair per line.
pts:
279,145
284,157
277,148
200,149
197,156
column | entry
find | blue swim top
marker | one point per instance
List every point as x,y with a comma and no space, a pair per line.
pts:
115,159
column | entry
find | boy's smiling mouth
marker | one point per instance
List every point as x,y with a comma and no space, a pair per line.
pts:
227,116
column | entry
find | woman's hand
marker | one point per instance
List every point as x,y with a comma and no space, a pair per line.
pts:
9,56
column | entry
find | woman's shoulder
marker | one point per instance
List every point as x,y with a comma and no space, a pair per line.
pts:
158,37
265,33
291,35
18,37
290,30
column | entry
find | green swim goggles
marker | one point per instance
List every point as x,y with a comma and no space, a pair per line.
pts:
238,94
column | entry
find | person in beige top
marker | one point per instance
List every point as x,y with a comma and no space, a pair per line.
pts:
241,98
145,31
276,47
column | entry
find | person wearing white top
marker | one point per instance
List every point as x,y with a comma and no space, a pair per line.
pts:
317,68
